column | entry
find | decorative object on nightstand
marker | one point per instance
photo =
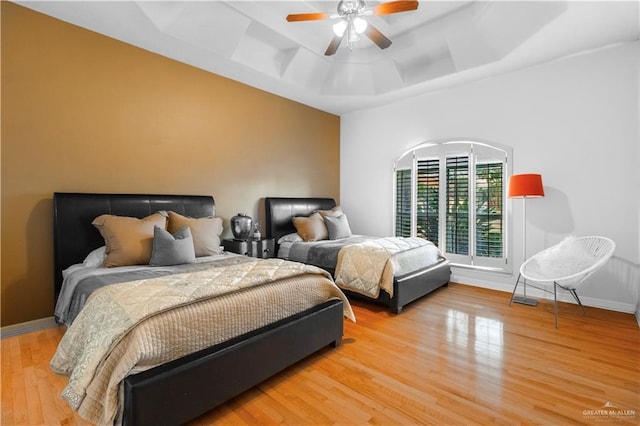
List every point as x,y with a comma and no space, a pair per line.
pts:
525,186
255,234
241,226
262,248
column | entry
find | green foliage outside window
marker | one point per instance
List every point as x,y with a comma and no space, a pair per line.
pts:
489,224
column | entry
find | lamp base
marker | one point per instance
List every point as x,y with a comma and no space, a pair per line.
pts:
525,301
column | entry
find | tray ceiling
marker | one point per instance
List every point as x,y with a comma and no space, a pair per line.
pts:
441,44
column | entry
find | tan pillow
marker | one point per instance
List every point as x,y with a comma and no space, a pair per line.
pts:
311,228
205,231
334,212
129,240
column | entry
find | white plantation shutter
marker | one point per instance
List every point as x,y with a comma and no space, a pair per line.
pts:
403,203
428,199
458,200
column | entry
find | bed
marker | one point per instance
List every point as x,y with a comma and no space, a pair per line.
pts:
184,388
406,287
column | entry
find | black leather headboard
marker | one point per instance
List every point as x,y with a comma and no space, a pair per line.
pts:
74,237
279,211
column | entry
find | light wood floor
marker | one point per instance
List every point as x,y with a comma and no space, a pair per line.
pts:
458,356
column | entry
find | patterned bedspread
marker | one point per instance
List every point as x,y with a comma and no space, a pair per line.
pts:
81,282
133,326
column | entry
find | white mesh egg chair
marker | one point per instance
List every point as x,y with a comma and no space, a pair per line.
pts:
566,265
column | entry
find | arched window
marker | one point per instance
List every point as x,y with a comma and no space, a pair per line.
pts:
454,194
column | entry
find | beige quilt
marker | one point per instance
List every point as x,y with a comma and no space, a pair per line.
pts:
370,266
130,327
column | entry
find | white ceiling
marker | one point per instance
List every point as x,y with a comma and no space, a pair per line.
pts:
443,43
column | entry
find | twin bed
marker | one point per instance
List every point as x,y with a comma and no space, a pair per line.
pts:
135,357
419,270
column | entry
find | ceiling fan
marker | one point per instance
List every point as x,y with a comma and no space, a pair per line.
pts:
352,22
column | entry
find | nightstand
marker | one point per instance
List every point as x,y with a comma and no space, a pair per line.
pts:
262,248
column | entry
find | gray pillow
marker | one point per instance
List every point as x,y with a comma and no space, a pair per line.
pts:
173,249
338,227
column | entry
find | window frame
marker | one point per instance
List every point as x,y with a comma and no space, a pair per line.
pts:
478,152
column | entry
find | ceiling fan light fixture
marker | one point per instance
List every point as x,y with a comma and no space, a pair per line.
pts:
340,27
353,37
360,25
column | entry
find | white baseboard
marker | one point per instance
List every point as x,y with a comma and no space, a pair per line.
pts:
563,296
27,327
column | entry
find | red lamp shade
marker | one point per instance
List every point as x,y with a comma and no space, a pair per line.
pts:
526,185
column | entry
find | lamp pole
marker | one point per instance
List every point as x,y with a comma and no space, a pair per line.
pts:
524,186
523,300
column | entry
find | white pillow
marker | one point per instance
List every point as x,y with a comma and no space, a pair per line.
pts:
95,258
71,269
291,238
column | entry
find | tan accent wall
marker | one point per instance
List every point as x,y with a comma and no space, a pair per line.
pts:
85,113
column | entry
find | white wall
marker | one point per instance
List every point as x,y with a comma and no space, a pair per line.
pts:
574,120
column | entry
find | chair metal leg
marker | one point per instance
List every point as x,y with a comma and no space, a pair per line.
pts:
575,296
555,303
522,299
514,289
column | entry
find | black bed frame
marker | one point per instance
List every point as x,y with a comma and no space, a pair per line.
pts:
183,389
406,288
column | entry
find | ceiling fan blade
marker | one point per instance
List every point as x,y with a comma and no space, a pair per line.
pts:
333,46
377,37
395,7
296,17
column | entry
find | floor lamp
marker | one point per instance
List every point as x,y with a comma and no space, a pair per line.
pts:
525,186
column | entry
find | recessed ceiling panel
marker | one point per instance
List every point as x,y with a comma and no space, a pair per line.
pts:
212,26
254,53
349,79
306,70
386,76
162,14
506,25
469,48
